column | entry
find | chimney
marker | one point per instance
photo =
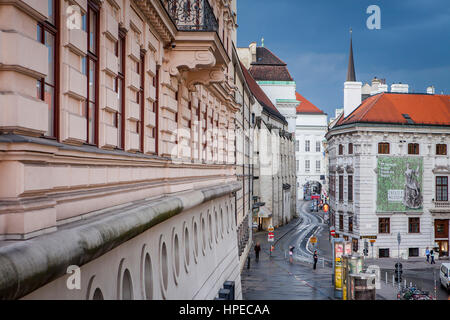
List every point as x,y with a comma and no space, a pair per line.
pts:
430,90
252,48
352,96
400,88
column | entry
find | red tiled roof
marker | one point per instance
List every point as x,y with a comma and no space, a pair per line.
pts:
260,95
423,109
305,105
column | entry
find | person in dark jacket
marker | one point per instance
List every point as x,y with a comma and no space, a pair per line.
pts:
257,250
315,257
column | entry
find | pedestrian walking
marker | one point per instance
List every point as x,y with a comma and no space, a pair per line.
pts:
291,254
427,253
432,257
316,258
257,250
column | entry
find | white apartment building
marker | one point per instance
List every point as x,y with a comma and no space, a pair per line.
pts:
311,127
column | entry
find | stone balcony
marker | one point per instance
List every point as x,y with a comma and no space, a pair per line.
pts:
440,207
197,47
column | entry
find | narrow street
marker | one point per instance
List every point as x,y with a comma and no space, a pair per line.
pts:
274,278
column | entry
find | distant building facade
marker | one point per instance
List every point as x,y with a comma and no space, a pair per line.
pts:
311,127
278,102
389,169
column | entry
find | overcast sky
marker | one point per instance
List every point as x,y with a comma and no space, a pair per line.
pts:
312,37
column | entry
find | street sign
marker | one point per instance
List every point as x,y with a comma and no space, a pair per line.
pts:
399,238
271,237
270,229
313,240
372,241
255,225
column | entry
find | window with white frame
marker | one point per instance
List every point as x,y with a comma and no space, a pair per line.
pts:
307,146
317,165
318,148
307,165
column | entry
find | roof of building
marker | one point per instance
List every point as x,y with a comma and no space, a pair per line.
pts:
401,108
306,106
268,67
261,96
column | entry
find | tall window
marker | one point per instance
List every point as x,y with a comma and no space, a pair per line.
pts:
307,166
441,149
307,145
350,148
350,188
120,89
383,148
341,149
317,165
414,225
384,225
91,70
298,164
155,130
441,188
140,124
297,145
341,188
350,224
48,87
413,148
318,148
341,222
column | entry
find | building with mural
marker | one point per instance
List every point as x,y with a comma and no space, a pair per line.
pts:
389,168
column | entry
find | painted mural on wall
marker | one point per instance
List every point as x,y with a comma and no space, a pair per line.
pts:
399,185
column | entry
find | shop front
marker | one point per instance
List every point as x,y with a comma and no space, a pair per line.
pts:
441,236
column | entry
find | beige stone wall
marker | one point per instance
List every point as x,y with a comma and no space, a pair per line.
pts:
63,179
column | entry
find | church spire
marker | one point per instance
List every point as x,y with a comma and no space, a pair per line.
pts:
351,65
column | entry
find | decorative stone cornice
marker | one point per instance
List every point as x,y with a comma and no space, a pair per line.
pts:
349,169
155,13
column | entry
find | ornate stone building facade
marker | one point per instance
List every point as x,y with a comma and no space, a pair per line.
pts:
117,148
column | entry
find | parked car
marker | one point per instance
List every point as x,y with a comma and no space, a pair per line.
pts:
444,276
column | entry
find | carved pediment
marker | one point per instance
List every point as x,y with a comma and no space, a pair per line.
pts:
340,169
442,169
349,169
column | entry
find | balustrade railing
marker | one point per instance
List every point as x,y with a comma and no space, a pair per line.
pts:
191,15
